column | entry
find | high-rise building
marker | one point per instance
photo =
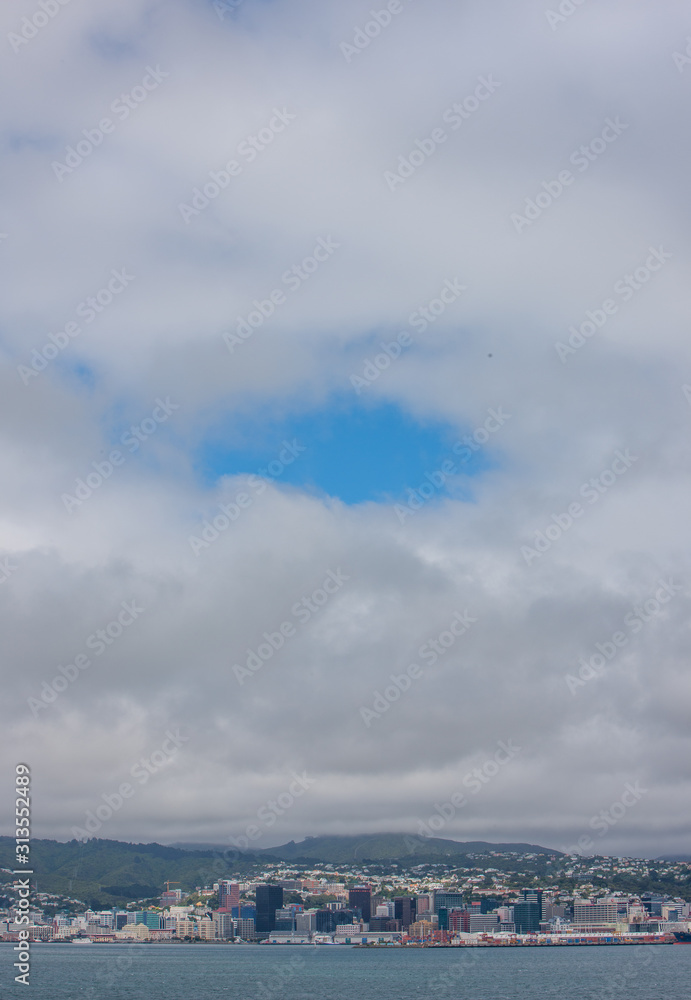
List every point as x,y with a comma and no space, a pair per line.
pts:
228,896
359,899
269,899
405,910
326,921
448,900
534,896
526,917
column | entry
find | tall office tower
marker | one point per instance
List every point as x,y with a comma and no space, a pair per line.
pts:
359,898
449,900
405,910
526,917
269,899
534,896
228,895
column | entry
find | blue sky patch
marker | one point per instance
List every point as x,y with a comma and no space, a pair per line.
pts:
352,452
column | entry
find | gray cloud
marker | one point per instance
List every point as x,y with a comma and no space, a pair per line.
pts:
162,336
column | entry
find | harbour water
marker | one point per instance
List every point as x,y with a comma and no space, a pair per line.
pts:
247,972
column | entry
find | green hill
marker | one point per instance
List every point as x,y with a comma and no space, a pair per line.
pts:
390,847
106,873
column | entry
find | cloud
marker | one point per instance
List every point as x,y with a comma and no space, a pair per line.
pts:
220,83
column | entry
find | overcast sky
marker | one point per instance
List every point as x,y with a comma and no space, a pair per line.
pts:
256,196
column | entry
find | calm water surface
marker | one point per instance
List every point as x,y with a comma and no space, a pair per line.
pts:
207,972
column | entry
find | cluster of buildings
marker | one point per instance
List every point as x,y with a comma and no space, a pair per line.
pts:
259,911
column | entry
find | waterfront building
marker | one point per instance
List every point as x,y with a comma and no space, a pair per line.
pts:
594,913
359,899
228,895
245,929
269,898
450,901
526,917
405,910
